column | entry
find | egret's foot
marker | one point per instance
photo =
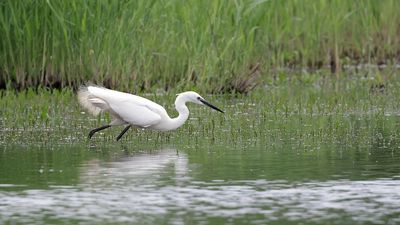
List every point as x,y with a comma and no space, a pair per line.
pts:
123,132
92,132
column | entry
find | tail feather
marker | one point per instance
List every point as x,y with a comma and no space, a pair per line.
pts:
83,97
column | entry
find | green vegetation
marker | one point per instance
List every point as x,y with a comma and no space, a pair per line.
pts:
302,115
275,144
216,46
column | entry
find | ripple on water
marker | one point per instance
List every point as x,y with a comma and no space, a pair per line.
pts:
374,201
136,190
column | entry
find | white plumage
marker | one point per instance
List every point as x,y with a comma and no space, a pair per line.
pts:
135,110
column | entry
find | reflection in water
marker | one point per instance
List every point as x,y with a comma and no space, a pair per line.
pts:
150,188
153,168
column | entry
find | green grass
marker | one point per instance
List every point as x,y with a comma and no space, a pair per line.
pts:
212,46
300,115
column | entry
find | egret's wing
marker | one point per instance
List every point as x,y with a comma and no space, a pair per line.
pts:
134,113
99,103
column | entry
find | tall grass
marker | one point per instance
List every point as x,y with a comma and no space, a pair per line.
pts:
209,45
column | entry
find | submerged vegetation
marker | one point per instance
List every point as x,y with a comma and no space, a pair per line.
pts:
302,116
218,46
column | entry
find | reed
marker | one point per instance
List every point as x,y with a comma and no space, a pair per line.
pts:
218,46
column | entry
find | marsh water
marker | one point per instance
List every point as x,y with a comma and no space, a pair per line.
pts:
275,165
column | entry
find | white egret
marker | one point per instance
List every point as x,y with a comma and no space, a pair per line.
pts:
132,110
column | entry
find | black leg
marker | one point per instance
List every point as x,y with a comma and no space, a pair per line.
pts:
123,132
98,129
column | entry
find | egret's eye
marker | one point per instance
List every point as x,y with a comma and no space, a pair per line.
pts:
198,98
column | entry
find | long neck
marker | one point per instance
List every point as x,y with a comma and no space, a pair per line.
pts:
183,113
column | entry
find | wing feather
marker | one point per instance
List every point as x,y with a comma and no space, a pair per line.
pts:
136,114
124,107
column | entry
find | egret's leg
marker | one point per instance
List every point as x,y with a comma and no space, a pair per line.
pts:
98,129
123,132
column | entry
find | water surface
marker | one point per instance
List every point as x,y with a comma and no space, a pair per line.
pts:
120,184
300,158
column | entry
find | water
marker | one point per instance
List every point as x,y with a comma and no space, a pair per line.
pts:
219,184
288,157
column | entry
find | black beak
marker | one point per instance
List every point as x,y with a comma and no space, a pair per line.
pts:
209,105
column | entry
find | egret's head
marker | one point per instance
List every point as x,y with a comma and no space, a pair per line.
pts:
192,96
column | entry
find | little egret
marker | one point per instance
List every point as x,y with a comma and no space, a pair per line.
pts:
132,110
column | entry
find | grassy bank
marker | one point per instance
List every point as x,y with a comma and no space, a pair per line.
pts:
218,46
